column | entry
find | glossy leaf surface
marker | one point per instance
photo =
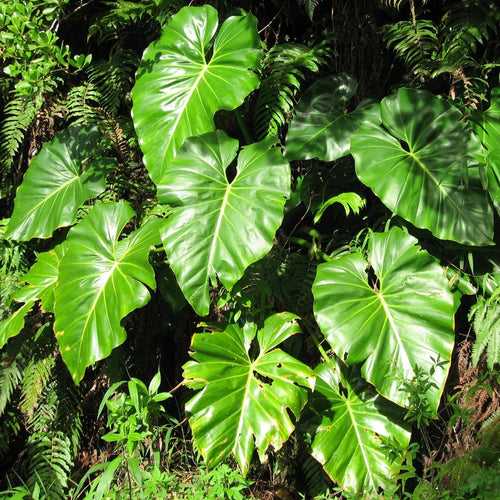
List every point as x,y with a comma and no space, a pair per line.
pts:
13,324
417,165
41,279
243,402
322,126
180,86
63,175
349,441
493,176
404,319
219,227
488,126
101,280
40,284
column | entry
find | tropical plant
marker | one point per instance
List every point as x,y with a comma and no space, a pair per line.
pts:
333,334
133,420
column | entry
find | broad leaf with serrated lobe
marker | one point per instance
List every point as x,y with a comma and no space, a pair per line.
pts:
355,425
242,401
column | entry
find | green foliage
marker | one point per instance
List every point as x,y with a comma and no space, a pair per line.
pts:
236,410
133,420
351,202
207,196
123,16
486,321
34,61
284,67
19,114
180,87
101,279
67,171
446,195
240,247
348,407
474,475
453,46
43,405
379,321
322,126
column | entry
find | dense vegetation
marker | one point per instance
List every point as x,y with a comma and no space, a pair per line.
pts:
249,249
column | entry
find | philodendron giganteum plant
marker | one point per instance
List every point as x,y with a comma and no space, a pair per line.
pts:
384,308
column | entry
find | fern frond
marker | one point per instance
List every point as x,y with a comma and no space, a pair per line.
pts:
125,15
82,104
114,78
486,316
35,378
315,481
284,69
10,426
49,463
309,6
44,418
55,433
466,26
415,43
19,115
10,377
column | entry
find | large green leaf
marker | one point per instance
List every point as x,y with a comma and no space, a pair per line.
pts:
243,402
322,126
40,284
488,130
403,320
101,280
355,422
180,85
417,164
13,324
221,227
41,279
488,122
59,179
493,176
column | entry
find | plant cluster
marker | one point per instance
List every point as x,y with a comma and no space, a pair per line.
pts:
315,244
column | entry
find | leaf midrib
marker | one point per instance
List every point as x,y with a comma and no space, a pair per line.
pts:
44,200
360,442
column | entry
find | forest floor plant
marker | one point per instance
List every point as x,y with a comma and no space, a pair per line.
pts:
294,216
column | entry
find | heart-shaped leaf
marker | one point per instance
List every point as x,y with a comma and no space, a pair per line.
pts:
186,76
64,174
356,424
101,280
403,320
243,402
322,126
221,227
416,162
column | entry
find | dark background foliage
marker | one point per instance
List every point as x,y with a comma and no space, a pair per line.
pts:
384,45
